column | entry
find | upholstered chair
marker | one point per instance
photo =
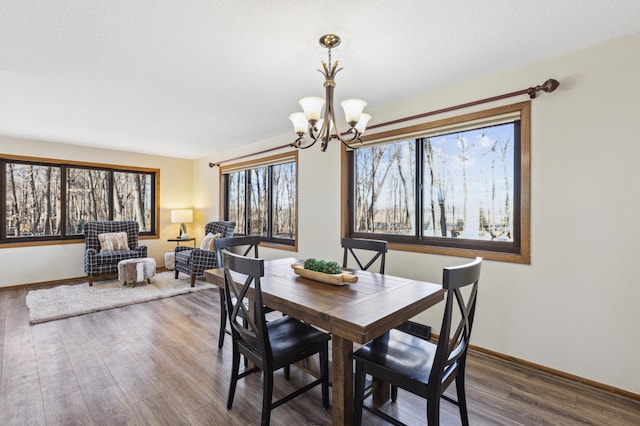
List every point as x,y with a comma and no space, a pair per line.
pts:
194,261
105,247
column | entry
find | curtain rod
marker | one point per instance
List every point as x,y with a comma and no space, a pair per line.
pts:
548,86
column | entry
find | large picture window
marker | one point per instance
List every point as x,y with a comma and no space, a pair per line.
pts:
43,200
458,186
261,197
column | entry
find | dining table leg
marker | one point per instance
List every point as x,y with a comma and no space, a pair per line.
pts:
342,380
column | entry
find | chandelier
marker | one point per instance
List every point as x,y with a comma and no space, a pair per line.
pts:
325,128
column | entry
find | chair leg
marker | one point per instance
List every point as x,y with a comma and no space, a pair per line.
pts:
193,280
462,397
177,272
267,395
359,380
433,410
235,367
394,393
287,372
324,373
90,280
223,320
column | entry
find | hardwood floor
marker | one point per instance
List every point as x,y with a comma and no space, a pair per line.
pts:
157,363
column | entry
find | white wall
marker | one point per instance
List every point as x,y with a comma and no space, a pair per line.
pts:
575,307
55,262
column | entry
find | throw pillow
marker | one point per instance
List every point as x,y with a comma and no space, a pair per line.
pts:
209,241
112,241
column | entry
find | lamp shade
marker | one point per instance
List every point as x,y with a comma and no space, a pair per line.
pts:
182,216
312,107
299,121
362,124
352,110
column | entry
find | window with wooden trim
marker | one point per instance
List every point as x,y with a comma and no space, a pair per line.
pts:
261,197
457,186
45,200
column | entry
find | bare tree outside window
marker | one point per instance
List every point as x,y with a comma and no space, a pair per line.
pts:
258,197
236,199
45,201
473,195
132,198
284,201
385,187
262,198
87,197
32,200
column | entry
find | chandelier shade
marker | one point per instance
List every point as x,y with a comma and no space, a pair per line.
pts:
312,107
318,120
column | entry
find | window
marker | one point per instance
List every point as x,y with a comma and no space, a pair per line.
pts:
261,197
457,186
44,200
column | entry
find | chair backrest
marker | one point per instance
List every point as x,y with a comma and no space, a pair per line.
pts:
94,228
453,341
248,329
220,227
379,248
246,244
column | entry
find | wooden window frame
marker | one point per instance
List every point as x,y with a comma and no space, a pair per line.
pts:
65,238
523,160
258,163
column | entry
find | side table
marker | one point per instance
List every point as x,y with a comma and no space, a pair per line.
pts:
182,240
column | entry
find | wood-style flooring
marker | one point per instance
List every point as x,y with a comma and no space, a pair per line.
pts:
157,363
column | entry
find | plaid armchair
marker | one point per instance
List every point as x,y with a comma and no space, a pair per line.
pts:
97,263
194,262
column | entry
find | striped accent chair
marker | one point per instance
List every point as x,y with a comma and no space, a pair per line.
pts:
194,262
97,262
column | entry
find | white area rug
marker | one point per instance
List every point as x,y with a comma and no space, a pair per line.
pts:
69,300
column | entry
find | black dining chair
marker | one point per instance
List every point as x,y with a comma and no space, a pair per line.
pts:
268,345
365,252
375,249
423,368
246,244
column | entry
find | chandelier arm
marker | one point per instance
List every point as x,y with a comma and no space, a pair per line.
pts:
298,143
355,138
312,130
346,145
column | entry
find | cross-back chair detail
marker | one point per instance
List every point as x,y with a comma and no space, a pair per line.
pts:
376,249
251,329
246,245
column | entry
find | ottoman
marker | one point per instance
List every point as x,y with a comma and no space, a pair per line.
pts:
136,270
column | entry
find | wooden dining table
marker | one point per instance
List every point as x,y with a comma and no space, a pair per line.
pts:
357,312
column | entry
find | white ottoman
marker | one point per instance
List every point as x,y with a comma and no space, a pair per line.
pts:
136,270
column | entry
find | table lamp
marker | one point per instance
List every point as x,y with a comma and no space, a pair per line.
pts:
182,216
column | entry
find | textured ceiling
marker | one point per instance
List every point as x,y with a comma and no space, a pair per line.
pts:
191,77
